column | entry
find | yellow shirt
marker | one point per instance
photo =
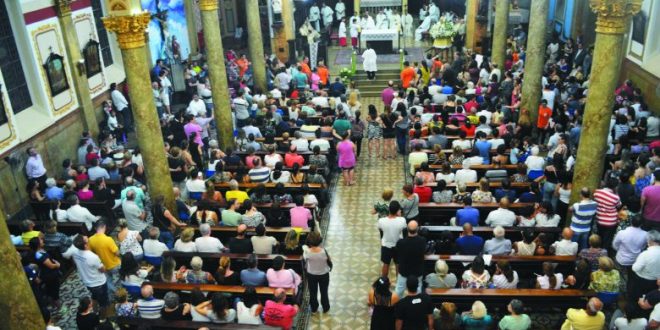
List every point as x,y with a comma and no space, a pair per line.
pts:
578,319
106,248
237,194
28,235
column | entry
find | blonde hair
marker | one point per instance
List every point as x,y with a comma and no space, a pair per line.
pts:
196,263
121,295
187,235
479,310
605,264
223,265
291,240
352,98
484,185
441,268
387,194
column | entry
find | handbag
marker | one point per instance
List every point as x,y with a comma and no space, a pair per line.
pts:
328,260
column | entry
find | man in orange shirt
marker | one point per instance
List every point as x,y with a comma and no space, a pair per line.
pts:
543,122
323,73
305,68
437,65
243,65
408,75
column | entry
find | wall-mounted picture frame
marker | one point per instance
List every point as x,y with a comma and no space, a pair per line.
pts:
639,27
92,56
56,74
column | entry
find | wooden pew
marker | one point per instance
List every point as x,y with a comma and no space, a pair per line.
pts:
42,209
67,228
270,186
465,151
525,266
158,324
512,233
160,288
499,298
211,260
440,213
519,187
481,169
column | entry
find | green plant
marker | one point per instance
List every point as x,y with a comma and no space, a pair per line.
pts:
346,75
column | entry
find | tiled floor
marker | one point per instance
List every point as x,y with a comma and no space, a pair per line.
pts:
353,241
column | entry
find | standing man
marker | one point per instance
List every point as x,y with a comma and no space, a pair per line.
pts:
106,249
34,168
388,94
543,122
583,214
241,106
408,75
410,252
645,270
90,270
369,64
340,10
327,13
415,311
607,212
629,243
121,104
392,227
315,16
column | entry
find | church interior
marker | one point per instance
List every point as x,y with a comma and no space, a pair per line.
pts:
330,164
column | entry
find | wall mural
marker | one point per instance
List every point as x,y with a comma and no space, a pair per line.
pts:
56,74
92,56
168,30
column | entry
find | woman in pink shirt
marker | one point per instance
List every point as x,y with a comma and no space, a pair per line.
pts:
346,151
300,215
279,277
85,194
315,80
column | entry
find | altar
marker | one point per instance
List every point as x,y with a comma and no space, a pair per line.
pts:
381,40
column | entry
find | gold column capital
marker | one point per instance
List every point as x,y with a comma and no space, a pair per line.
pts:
208,5
63,7
613,15
129,29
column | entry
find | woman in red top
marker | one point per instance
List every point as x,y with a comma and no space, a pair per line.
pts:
424,192
91,154
468,128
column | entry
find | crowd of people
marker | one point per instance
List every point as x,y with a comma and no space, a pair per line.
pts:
446,118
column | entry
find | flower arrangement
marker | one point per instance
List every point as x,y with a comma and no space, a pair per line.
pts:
346,75
445,28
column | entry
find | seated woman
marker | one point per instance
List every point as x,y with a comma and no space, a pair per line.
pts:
549,279
461,193
196,275
279,277
446,317
85,194
477,318
425,173
606,278
483,194
211,195
505,277
205,213
291,244
217,310
130,272
252,216
272,158
593,252
446,174
442,278
281,196
225,275
249,308
526,247
279,175
442,195
521,174
185,242
477,276
545,216
258,195
580,277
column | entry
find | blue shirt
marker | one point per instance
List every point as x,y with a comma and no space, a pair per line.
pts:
484,150
470,245
253,277
467,214
55,193
510,194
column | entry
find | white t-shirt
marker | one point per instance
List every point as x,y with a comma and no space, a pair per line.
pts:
323,144
208,244
263,244
500,281
153,248
271,160
185,247
88,265
544,281
466,176
392,230
621,323
247,315
565,248
449,178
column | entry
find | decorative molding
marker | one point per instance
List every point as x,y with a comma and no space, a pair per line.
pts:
613,16
130,29
7,108
208,5
118,5
63,7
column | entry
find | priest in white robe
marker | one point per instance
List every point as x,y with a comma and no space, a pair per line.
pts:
328,16
424,27
423,12
340,10
315,17
395,22
381,21
369,63
434,12
367,22
407,22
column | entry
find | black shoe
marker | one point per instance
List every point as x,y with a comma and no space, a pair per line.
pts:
325,310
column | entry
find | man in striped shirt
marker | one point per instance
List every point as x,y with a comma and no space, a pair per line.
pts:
607,211
583,213
259,174
149,307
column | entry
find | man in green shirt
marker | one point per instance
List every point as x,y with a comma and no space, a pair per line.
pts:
517,320
341,126
229,216
300,78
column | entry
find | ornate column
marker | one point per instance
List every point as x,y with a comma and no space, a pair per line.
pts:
19,308
256,44
471,9
531,89
499,33
129,29
192,27
613,17
356,7
217,71
80,83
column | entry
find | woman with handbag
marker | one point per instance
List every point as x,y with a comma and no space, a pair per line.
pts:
318,266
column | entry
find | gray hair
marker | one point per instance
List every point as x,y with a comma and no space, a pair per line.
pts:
205,229
196,263
171,299
154,232
654,236
498,231
122,223
50,182
233,184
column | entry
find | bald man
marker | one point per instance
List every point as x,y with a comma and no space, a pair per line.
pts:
240,243
469,244
590,318
565,246
410,252
149,307
277,313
